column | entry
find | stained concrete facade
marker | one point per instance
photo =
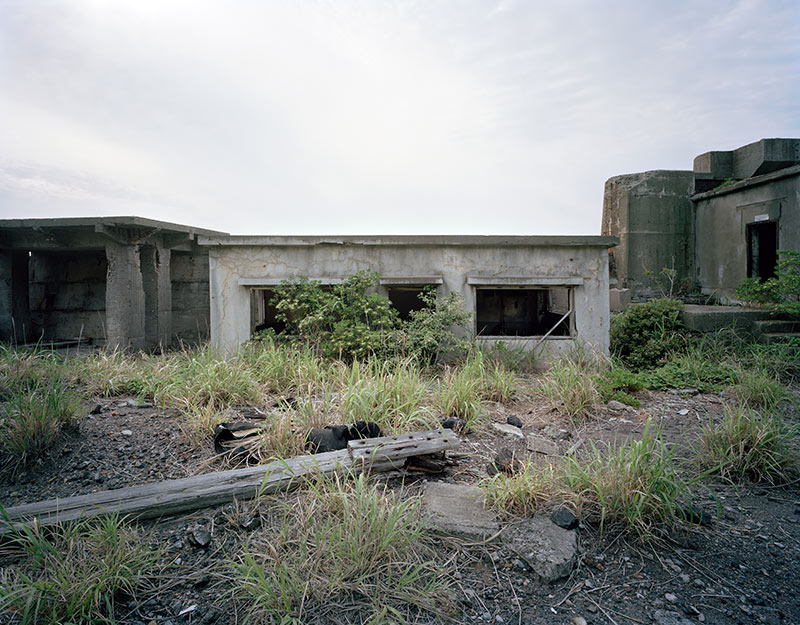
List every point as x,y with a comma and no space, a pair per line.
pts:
110,280
556,277
716,225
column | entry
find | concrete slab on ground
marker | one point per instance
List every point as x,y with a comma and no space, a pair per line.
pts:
550,551
459,509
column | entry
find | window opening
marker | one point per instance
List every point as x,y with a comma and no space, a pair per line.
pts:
262,313
523,312
405,299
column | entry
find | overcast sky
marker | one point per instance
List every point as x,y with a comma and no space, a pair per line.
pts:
340,117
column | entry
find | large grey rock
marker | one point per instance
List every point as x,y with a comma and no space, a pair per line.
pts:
459,509
541,445
547,549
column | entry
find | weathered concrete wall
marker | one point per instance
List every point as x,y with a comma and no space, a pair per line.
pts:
66,295
652,214
722,219
237,264
190,312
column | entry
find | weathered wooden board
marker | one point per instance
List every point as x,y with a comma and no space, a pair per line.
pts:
172,496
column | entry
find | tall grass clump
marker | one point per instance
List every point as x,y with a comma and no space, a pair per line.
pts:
533,489
107,372
21,367
341,547
32,418
73,573
460,393
390,393
746,444
635,485
758,389
571,384
283,367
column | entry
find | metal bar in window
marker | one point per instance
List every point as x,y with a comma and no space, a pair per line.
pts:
550,331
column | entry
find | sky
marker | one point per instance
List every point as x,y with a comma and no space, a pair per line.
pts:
377,116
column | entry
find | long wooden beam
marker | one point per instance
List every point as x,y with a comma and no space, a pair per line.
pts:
190,493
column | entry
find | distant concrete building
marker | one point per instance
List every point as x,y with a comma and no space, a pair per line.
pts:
123,281
519,288
716,225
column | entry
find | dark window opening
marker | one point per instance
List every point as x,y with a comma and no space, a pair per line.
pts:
405,299
262,313
762,249
522,312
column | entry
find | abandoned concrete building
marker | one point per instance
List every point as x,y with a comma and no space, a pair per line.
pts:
123,281
519,288
140,283
716,225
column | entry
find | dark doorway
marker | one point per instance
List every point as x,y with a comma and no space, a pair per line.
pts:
262,313
762,249
406,298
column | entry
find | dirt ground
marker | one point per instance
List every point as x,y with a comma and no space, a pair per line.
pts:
742,568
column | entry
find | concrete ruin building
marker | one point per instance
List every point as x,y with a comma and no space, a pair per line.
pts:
519,288
132,282
716,225
122,281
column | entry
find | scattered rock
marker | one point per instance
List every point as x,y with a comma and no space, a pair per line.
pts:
671,597
547,549
199,537
454,423
616,405
509,430
459,509
126,433
251,522
541,445
683,412
666,617
505,462
514,420
555,432
97,409
693,514
564,518
578,620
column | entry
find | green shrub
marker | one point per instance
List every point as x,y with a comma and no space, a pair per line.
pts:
781,293
746,444
617,383
343,322
645,334
428,334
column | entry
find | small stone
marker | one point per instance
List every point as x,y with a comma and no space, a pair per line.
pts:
671,597
508,430
453,423
251,522
563,517
126,433
666,617
616,405
514,420
683,412
199,537
541,445
499,620
684,578
578,620
97,409
506,462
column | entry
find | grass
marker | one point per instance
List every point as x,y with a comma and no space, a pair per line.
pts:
746,444
532,490
459,393
32,419
570,383
340,545
73,573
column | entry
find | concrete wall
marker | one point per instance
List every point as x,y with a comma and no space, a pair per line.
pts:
652,214
238,264
67,293
721,223
190,313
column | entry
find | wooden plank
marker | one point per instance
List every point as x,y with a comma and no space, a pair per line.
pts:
190,493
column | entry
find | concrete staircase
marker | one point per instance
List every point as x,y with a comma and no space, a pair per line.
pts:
777,330
769,327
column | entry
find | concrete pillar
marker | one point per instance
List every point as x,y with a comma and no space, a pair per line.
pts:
155,263
125,297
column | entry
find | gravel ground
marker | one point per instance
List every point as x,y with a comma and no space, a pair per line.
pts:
743,568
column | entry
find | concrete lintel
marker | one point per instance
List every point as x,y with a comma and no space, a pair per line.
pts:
113,234
526,281
411,280
267,282
412,240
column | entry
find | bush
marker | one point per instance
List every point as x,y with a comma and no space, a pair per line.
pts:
644,335
428,334
781,293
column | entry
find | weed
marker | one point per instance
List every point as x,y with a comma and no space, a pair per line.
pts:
571,383
635,485
34,418
758,389
531,490
74,572
747,444
342,544
645,334
459,393
282,367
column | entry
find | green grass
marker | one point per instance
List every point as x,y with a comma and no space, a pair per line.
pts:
73,573
746,444
532,490
570,383
459,393
340,546
33,417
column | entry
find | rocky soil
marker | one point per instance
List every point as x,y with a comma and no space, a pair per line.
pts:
742,568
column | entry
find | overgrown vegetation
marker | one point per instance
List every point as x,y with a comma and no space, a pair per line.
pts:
341,545
644,335
780,293
75,572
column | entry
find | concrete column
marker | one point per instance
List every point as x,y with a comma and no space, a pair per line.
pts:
155,262
125,297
